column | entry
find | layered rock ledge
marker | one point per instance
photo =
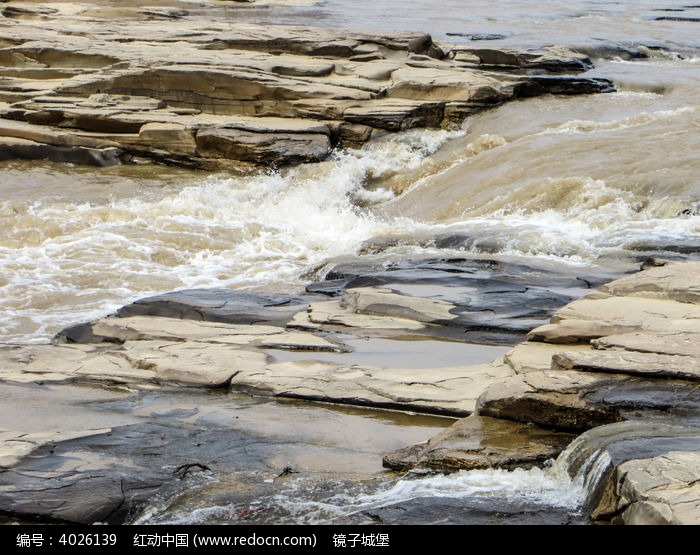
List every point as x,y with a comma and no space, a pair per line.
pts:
618,366
621,362
78,85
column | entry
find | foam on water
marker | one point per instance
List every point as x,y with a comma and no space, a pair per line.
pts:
573,180
307,501
65,262
537,486
643,118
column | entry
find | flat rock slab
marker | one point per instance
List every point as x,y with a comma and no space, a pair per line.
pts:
579,331
532,356
384,302
649,365
17,445
154,363
483,301
479,442
335,313
138,363
651,314
450,391
220,305
599,315
154,328
137,328
672,343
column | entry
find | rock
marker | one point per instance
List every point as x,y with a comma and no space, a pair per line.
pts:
384,302
163,13
478,36
675,281
17,445
491,303
538,85
598,316
577,401
531,357
66,364
334,313
11,148
190,363
554,59
172,137
220,305
685,344
51,135
478,442
448,391
661,490
396,114
445,84
234,446
637,472
577,331
174,93
652,365
633,314
153,328
550,399
676,18
269,148
611,51
137,363
90,480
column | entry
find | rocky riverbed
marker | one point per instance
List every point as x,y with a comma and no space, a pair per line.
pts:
170,86
216,405
621,362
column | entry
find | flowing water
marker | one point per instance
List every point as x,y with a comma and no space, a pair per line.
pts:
591,183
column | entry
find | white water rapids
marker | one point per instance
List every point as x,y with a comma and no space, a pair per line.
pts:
592,182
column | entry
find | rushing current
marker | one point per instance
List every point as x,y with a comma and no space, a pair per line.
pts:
594,183
585,181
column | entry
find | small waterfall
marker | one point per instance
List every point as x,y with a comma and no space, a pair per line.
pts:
592,458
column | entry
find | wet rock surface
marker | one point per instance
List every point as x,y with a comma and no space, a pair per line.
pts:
158,447
640,472
635,390
567,379
206,92
86,83
485,301
482,442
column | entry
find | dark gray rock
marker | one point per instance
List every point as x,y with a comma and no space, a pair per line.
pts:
536,85
578,401
220,305
263,148
11,149
495,302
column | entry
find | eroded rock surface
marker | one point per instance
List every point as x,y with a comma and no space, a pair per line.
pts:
641,359
482,442
102,85
620,363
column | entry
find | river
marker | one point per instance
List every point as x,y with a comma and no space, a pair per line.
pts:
594,184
